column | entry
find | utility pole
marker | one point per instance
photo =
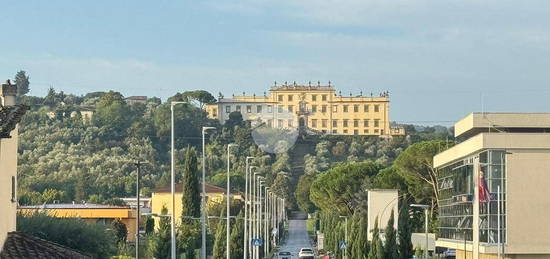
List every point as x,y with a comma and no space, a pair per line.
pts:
246,201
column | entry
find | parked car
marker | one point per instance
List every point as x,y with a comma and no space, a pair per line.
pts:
306,253
284,255
450,253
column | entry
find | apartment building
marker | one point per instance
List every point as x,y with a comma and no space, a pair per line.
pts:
318,108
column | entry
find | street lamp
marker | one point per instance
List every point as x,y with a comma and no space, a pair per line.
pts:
248,168
203,198
228,213
425,208
173,182
345,236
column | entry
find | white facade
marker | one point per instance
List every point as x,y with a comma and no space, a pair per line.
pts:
381,203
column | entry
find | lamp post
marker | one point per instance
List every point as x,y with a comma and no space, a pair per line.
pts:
227,212
266,221
173,182
203,197
345,237
425,208
258,210
246,201
252,227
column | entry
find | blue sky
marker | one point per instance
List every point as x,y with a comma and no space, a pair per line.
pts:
439,59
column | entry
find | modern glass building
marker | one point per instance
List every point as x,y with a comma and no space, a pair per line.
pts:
494,195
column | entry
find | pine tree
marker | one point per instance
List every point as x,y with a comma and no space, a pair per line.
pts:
219,239
237,238
160,243
404,231
121,232
391,248
22,81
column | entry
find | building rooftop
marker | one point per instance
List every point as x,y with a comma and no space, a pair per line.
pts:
209,189
20,245
295,87
478,122
73,206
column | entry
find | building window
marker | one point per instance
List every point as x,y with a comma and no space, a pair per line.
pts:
290,108
356,108
356,123
215,112
335,123
227,109
289,123
324,131
314,108
376,123
345,122
269,109
290,98
280,123
334,131
314,97
314,123
280,98
324,123
323,108
248,108
13,197
238,108
280,108
270,123
335,108
366,123
355,132
376,108
346,107
258,109
366,108
324,97
345,131
376,131
366,131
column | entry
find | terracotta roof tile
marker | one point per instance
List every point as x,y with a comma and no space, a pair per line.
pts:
19,245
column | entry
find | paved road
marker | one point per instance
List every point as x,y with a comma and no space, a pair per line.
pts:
297,237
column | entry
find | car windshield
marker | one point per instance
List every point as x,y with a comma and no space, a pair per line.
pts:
306,250
284,253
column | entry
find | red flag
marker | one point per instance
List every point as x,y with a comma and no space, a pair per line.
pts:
484,194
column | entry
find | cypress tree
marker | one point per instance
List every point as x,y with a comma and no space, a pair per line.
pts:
191,199
160,243
404,231
219,240
361,243
391,248
376,242
189,232
237,237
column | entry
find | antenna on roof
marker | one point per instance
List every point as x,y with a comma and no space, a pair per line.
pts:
329,83
275,83
309,83
318,83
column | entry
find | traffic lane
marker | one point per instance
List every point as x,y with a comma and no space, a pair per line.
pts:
297,238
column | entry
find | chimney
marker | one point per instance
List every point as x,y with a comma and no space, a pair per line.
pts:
8,93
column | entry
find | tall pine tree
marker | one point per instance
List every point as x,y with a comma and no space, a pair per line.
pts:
390,248
361,243
160,242
404,231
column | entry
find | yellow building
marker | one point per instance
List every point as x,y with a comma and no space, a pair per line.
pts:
162,197
10,114
317,108
92,213
506,153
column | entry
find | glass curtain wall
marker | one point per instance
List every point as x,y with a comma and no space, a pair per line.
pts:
456,197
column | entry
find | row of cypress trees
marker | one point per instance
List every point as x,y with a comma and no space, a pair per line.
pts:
397,243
